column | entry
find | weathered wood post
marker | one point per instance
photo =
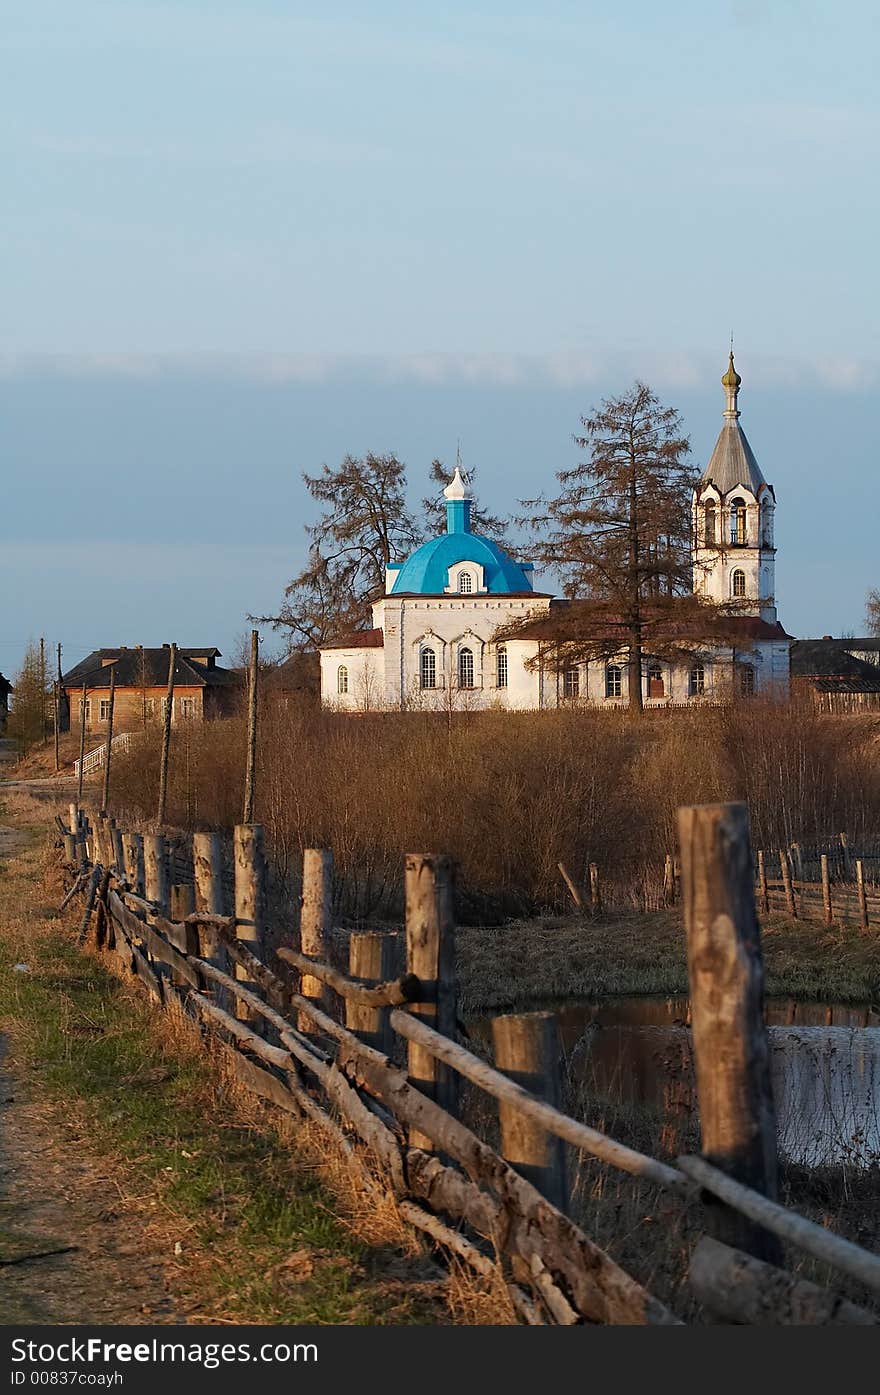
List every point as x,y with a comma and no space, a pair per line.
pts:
827,908
183,901
370,958
118,849
82,744
668,882
762,883
108,747
251,765
56,717
786,883
71,849
207,851
167,713
527,1049
572,885
731,1051
73,817
861,894
797,862
250,896
156,880
430,955
133,859
847,857
595,890
316,922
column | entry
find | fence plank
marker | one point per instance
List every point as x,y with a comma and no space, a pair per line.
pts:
739,1288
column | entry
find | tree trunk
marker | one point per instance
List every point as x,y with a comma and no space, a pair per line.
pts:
635,672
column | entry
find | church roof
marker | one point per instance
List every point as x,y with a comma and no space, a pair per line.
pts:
733,461
426,572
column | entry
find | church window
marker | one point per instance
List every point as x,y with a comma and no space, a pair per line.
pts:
501,666
738,521
709,534
746,680
465,583
428,668
656,687
571,683
612,681
697,684
465,668
738,583
342,679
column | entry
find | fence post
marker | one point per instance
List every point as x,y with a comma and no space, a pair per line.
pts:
430,955
207,853
118,850
786,882
105,796
762,883
250,770
827,909
71,851
371,956
133,861
156,871
167,713
861,894
315,924
595,891
847,858
182,901
668,882
73,817
527,1049
731,1052
250,896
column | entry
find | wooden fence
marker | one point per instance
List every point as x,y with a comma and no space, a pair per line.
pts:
323,1045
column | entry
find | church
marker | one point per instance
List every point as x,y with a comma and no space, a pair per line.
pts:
433,642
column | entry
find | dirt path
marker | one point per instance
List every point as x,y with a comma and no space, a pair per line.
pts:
57,1196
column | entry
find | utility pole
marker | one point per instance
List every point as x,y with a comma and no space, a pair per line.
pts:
42,691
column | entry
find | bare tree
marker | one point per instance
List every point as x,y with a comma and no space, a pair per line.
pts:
872,611
618,534
365,526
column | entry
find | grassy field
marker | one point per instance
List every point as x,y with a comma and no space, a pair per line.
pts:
540,960
275,1229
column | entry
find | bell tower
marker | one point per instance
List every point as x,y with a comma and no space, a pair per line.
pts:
733,518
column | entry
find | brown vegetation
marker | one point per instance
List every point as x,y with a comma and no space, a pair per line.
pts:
511,795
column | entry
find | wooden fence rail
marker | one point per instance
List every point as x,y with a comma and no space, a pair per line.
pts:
499,1210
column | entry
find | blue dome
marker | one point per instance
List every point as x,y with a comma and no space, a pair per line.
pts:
426,572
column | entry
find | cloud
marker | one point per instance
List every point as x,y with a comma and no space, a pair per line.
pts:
563,369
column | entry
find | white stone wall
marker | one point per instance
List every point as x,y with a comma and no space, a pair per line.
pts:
714,565
364,677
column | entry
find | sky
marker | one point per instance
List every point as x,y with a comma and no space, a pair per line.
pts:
242,239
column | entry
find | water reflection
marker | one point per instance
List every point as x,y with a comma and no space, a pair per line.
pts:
825,1063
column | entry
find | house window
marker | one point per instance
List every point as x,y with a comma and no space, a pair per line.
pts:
746,680
105,709
709,523
187,707
697,680
427,668
738,521
342,679
501,666
465,583
85,711
149,707
465,668
738,583
613,681
571,683
656,687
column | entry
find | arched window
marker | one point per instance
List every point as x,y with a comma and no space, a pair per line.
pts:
697,684
501,666
709,534
571,683
465,583
746,680
738,521
342,679
427,667
738,583
465,667
612,680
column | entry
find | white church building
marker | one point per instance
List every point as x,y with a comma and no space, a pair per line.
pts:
433,642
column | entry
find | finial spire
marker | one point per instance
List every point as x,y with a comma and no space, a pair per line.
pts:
731,384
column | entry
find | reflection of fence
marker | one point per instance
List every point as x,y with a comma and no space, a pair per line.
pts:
325,1045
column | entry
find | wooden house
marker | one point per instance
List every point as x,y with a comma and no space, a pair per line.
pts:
202,689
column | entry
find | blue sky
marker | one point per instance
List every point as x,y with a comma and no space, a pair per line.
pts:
242,239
